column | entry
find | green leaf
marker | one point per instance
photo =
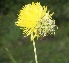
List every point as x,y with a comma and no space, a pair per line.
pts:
10,56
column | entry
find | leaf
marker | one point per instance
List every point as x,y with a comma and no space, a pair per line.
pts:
10,56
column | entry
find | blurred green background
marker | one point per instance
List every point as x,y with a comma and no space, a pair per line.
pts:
50,49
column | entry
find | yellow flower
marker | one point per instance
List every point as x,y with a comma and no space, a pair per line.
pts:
34,20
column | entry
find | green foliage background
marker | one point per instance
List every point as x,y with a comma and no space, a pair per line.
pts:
51,49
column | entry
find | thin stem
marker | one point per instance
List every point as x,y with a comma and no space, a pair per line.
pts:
35,52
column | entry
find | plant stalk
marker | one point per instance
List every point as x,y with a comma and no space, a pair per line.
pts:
35,52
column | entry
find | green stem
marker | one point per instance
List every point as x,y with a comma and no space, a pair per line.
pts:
35,52
10,56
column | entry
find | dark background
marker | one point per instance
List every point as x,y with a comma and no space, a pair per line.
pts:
50,49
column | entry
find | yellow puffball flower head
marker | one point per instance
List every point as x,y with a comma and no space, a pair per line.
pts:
35,20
